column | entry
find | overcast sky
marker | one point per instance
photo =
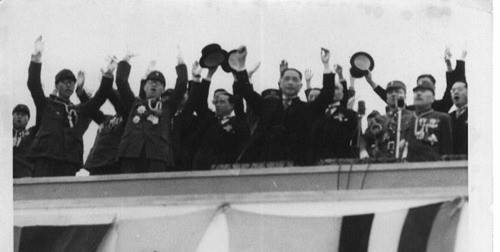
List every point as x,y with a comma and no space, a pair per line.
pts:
406,39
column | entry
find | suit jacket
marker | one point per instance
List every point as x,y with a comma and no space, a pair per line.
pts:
221,140
151,138
334,136
282,134
56,139
460,132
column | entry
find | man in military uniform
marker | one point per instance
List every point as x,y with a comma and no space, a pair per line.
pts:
452,75
382,131
146,145
430,132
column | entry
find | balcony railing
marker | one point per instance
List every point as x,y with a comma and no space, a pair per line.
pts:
288,184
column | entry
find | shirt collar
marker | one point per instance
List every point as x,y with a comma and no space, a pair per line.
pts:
285,98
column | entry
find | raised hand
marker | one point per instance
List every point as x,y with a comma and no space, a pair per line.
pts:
180,56
39,46
80,81
338,69
308,74
37,54
196,70
447,55
325,55
464,54
128,56
283,65
253,70
112,63
237,60
447,59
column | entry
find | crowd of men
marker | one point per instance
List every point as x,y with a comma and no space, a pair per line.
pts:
164,129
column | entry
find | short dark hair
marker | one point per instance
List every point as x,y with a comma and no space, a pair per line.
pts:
463,81
291,69
230,97
427,76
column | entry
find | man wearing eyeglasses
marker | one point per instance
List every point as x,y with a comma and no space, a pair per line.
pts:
57,149
459,118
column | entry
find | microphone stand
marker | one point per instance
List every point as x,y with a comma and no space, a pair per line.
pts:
361,113
400,105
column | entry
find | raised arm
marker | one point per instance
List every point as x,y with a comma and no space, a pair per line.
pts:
91,108
34,81
308,74
325,97
181,82
98,116
80,91
201,94
452,76
242,83
122,75
380,91
343,82
114,98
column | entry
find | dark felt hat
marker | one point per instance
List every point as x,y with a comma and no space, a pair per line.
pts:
21,108
424,85
65,74
271,92
156,76
212,55
225,64
395,84
361,62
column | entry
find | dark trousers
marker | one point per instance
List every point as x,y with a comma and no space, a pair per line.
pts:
47,167
142,165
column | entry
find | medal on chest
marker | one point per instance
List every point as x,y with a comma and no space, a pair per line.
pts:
72,116
154,112
424,129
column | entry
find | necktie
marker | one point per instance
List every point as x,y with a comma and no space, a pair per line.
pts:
287,103
461,111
